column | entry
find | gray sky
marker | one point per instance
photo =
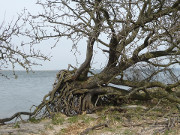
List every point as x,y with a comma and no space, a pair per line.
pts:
61,54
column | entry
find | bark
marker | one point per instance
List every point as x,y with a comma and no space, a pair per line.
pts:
134,42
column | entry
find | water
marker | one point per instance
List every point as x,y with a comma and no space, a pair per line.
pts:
28,89
165,76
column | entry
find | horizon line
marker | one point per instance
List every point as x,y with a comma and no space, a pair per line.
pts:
32,70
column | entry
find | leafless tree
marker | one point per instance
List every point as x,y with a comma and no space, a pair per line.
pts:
140,38
12,50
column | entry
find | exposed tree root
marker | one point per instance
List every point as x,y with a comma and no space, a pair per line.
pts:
65,98
14,116
69,98
101,125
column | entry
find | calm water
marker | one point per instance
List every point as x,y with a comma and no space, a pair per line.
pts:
27,90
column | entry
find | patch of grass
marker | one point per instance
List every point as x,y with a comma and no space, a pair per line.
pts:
103,117
16,125
117,118
73,119
49,126
166,132
119,126
34,120
112,130
87,119
174,131
128,132
57,120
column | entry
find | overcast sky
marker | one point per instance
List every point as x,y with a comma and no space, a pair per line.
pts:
61,54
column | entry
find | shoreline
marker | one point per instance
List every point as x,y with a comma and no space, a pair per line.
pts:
130,120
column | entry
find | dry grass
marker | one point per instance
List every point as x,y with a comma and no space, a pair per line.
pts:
159,117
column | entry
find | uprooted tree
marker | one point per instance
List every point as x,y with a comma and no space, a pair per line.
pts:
140,39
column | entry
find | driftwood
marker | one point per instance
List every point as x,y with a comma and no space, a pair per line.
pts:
16,115
101,125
